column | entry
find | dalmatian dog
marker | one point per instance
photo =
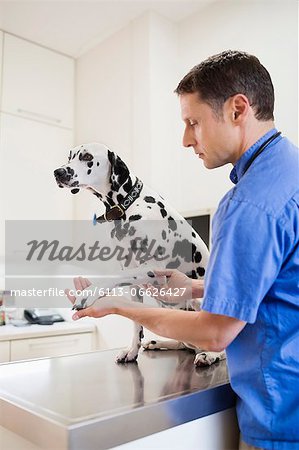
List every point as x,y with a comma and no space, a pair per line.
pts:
168,242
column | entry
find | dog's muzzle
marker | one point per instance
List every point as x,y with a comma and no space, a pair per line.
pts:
62,176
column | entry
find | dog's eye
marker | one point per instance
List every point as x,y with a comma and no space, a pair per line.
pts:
87,157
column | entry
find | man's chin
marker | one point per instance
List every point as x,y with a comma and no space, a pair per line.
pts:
211,165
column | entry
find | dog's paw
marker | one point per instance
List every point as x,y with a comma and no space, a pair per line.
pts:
152,345
127,355
208,358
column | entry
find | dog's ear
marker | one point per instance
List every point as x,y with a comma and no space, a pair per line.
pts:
111,158
75,191
119,171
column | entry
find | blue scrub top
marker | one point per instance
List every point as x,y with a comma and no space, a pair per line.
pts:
253,275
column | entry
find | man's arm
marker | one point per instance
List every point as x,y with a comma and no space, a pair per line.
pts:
212,332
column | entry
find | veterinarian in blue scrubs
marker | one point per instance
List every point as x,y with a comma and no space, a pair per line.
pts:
251,288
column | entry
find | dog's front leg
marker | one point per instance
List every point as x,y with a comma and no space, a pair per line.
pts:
130,354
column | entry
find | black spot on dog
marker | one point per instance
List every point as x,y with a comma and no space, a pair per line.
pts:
201,271
149,199
183,249
197,257
139,297
160,250
172,223
80,156
75,191
70,171
132,231
192,274
149,207
98,164
89,172
97,194
163,213
135,217
124,284
161,205
120,230
150,274
90,164
164,235
119,198
193,234
141,335
173,264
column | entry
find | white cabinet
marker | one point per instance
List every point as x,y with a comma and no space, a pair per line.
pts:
43,347
37,83
4,351
29,153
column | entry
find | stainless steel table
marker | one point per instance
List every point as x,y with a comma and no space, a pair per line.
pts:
87,401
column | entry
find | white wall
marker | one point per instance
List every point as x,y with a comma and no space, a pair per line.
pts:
266,29
125,99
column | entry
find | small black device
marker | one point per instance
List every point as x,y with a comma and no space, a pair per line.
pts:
42,316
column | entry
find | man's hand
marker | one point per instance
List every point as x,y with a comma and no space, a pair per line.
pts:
179,287
103,305
100,308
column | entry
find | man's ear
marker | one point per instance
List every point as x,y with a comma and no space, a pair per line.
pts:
75,191
240,106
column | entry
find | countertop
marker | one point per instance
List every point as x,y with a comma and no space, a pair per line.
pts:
10,332
88,401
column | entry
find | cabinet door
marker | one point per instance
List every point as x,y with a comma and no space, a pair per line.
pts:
29,153
50,346
4,351
37,83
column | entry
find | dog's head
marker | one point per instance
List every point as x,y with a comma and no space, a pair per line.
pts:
92,165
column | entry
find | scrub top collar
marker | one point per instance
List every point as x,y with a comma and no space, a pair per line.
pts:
238,170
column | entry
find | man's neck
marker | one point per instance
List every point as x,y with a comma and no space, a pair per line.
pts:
253,134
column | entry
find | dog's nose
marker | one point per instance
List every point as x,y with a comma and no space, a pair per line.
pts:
60,173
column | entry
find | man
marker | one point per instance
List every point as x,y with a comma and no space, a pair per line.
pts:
251,292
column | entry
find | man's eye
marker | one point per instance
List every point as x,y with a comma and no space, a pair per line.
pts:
87,157
192,124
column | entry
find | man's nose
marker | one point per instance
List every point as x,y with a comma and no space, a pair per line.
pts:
188,138
60,173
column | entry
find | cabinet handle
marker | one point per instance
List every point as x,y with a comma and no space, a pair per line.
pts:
71,342
38,115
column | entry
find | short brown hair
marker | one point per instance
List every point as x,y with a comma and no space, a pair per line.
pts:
229,73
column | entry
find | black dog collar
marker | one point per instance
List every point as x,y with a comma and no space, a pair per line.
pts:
117,211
